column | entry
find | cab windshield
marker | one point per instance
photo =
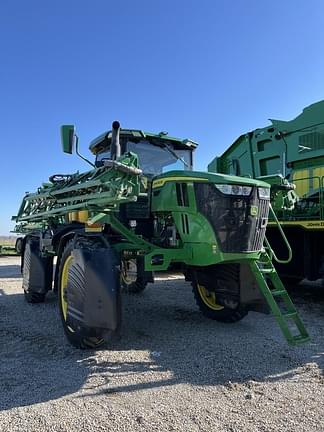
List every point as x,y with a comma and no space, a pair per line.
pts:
154,160
101,157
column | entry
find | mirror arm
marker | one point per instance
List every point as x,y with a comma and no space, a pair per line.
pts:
80,155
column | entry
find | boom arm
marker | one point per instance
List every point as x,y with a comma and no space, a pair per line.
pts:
102,188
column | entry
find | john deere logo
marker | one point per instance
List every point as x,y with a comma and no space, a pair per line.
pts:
254,211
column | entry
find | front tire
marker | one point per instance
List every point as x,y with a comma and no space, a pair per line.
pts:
75,339
205,284
130,277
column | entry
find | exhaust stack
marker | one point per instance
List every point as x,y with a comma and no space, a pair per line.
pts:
115,144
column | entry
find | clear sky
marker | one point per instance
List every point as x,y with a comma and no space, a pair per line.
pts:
206,69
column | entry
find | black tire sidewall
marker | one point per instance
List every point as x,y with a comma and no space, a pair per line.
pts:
73,337
31,296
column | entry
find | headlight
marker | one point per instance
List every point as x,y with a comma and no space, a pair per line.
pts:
264,192
234,189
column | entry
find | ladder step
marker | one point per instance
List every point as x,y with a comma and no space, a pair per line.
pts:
278,292
267,270
300,339
290,315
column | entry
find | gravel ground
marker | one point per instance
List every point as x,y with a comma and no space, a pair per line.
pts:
171,370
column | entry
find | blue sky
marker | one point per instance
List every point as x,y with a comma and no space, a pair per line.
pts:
208,70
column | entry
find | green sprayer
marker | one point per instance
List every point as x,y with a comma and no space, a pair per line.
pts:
142,209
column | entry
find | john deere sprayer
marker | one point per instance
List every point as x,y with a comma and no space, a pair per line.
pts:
139,210
290,155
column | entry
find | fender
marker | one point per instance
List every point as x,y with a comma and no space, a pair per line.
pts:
93,292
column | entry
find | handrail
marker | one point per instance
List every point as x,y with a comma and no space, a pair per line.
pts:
272,252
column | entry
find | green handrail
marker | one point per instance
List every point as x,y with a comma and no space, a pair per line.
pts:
271,251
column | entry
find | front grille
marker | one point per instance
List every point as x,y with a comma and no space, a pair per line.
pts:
261,222
230,216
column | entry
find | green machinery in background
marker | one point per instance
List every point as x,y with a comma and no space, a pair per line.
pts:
142,209
288,153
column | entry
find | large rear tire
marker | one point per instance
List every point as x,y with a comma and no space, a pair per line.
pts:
229,310
73,337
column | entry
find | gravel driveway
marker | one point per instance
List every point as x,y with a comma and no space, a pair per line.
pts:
171,370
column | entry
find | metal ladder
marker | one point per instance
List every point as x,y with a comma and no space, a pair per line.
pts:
279,301
275,293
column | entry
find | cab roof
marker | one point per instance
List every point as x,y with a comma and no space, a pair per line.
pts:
103,141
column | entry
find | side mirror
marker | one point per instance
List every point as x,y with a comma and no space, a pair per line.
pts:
67,138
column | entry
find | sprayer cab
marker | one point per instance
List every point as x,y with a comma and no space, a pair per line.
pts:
157,153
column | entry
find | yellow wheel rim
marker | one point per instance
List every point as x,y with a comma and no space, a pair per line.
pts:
64,281
209,298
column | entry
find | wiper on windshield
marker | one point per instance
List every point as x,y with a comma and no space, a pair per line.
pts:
175,155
